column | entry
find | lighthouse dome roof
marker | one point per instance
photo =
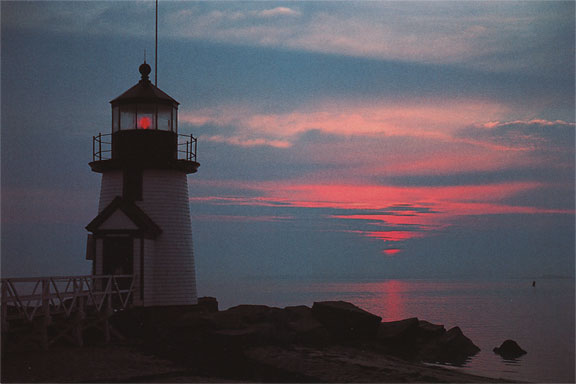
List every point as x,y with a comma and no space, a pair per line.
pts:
144,91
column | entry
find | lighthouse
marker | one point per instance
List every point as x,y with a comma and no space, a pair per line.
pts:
143,224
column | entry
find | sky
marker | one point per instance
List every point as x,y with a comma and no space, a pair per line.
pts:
336,139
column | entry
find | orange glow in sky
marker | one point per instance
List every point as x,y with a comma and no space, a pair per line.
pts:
392,214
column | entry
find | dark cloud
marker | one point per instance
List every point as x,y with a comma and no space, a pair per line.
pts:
530,135
536,173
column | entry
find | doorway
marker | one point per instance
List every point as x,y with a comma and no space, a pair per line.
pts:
118,258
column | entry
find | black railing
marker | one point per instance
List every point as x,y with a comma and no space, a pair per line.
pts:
102,147
99,153
187,146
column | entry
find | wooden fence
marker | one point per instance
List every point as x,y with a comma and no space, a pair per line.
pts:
50,308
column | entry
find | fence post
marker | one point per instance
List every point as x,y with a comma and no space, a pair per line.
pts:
4,313
100,146
46,312
78,317
108,311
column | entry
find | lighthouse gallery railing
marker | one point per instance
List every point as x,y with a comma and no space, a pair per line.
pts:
102,147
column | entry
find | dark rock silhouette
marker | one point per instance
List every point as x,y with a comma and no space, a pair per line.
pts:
208,304
305,327
299,343
451,346
509,350
345,320
395,331
427,330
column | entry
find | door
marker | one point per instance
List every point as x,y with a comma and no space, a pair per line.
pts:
118,258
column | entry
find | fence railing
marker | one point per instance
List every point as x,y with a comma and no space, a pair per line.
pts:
187,147
102,147
28,298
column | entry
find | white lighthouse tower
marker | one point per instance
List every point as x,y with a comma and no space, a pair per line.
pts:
143,223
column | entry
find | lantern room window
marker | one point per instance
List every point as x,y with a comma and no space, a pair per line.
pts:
115,119
144,116
165,117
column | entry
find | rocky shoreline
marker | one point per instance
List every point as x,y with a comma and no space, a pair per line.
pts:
332,341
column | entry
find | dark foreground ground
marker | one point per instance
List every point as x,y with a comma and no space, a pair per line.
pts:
331,342
128,364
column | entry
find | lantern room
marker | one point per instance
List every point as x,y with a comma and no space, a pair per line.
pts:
144,132
144,106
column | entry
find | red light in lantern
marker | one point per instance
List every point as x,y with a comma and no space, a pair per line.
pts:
144,123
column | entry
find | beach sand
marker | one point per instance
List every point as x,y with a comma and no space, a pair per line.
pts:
128,363
107,363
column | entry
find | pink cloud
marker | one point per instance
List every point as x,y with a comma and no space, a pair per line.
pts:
453,200
413,118
246,142
394,236
278,11
364,146
430,118
391,251
425,210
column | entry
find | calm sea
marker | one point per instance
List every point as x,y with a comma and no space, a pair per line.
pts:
540,319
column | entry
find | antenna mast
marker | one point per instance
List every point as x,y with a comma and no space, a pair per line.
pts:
156,50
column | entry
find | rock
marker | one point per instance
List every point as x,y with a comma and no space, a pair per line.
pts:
240,316
451,347
306,329
298,312
249,313
345,320
509,350
207,304
427,330
240,338
399,338
393,331
272,325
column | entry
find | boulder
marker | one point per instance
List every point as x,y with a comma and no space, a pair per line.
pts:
249,313
393,331
241,338
298,312
304,326
345,320
207,304
427,330
451,347
509,350
240,316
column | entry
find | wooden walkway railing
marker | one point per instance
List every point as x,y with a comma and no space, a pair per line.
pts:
63,306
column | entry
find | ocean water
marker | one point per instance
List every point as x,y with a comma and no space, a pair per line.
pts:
540,319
